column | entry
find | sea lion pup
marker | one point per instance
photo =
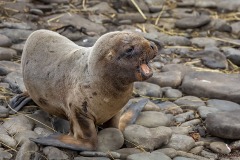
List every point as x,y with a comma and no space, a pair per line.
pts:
86,86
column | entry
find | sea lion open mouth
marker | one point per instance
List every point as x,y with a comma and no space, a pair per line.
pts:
144,72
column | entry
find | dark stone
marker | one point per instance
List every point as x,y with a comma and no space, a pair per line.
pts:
192,22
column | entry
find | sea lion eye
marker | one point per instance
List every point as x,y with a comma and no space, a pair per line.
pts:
129,52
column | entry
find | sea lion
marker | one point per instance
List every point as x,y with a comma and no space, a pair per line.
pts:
86,86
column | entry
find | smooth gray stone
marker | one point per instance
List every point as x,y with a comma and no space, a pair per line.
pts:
147,138
147,89
192,22
181,142
54,153
110,139
222,105
224,124
212,85
148,156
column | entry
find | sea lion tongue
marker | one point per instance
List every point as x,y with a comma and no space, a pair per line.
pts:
146,72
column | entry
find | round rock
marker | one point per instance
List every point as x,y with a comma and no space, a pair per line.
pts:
147,138
18,124
189,102
147,89
153,119
181,142
5,41
110,139
148,156
227,127
53,153
173,93
192,22
222,105
220,147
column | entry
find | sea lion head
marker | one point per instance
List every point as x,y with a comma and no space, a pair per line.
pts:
125,56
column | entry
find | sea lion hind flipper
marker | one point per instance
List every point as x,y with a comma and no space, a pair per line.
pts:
82,137
19,101
63,141
130,113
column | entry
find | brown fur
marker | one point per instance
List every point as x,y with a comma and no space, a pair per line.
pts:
87,86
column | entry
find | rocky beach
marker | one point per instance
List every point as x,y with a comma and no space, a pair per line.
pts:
193,98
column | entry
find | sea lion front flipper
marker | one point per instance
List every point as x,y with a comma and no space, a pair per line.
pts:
19,101
130,114
82,137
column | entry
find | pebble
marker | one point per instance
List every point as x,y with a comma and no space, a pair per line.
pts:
90,158
15,81
196,150
18,47
209,155
175,41
222,105
192,22
113,155
227,127
220,147
181,142
102,7
22,137
28,150
152,119
189,102
213,59
170,108
110,139
170,152
205,4
182,158
203,42
18,124
16,35
204,111
5,41
7,67
147,138
43,118
77,21
4,112
191,123
60,125
181,130
207,84
7,53
148,156
125,152
173,93
232,54
5,154
7,140
180,118
166,79
53,153
42,132
147,89
235,145
36,11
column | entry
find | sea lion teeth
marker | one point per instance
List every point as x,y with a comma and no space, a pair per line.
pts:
87,86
